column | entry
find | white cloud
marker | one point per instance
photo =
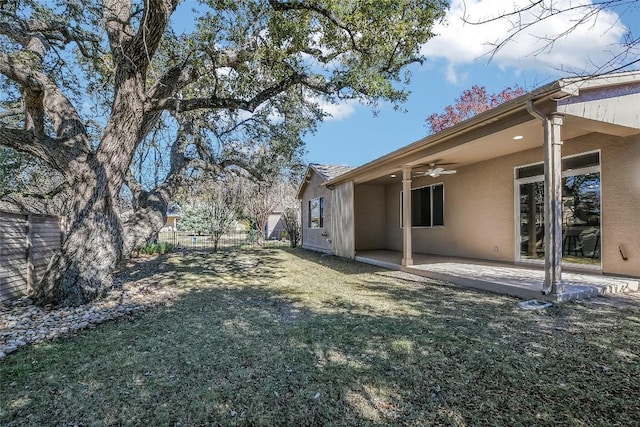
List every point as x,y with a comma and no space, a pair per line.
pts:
589,45
337,111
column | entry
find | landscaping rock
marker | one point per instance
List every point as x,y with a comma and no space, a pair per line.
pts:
22,323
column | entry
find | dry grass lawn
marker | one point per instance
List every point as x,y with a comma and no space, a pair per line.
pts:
289,337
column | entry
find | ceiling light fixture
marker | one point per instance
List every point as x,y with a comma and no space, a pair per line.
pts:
393,175
518,137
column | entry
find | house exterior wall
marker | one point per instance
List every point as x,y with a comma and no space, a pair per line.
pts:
478,213
370,212
27,243
342,224
479,208
620,164
317,239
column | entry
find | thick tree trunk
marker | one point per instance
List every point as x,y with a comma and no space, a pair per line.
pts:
293,241
82,270
96,241
144,224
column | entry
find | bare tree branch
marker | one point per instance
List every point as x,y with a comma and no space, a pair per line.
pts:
540,11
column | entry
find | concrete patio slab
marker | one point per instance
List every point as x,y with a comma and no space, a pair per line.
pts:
503,278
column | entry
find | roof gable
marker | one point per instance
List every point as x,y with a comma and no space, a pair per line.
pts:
326,172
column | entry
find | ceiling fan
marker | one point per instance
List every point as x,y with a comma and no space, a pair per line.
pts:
435,171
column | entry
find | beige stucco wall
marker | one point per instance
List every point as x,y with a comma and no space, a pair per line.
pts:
620,165
342,224
370,210
316,238
478,213
479,206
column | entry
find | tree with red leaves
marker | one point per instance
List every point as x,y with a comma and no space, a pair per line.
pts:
473,101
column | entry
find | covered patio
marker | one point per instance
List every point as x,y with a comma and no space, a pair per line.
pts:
541,183
523,281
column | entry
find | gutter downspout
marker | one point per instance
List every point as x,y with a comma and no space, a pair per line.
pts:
301,223
407,251
552,200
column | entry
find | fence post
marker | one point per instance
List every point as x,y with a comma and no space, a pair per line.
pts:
30,272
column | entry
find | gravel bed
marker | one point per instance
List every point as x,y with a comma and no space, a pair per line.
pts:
22,323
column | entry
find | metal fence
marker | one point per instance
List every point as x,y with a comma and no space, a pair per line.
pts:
27,243
230,240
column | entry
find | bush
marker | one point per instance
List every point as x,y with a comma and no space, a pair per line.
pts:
156,248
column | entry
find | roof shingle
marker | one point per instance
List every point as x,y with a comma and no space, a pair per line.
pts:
328,172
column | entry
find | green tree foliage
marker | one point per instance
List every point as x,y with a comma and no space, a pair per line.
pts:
233,84
214,217
210,206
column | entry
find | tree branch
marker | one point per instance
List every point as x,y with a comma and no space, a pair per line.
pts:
546,11
154,21
117,14
40,196
302,5
172,104
140,195
137,48
173,80
44,97
25,141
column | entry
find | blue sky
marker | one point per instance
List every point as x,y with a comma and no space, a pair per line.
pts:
354,136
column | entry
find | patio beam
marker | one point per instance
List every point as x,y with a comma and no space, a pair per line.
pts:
407,255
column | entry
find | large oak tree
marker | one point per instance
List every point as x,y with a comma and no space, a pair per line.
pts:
96,83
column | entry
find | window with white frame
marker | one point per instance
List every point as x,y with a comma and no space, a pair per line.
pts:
427,206
581,210
316,213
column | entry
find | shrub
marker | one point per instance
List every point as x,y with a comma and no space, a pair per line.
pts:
156,248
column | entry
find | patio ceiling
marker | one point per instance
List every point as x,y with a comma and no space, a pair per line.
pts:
460,152
605,104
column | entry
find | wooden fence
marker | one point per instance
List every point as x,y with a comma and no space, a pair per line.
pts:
27,243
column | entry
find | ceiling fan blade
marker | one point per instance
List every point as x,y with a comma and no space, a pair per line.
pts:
434,171
439,162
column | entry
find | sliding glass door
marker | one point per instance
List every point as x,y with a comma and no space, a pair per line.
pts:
580,210
581,218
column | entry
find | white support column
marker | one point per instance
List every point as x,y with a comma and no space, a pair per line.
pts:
407,255
553,205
